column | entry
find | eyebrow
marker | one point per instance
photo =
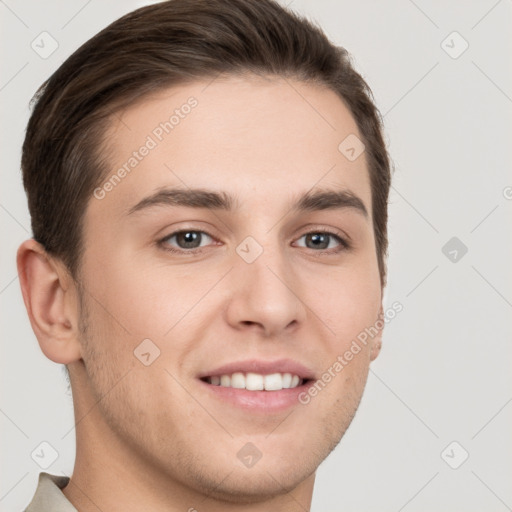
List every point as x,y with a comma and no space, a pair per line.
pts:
211,199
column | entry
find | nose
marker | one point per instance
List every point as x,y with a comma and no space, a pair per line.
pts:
265,295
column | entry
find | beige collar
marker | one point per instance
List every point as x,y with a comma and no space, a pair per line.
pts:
49,495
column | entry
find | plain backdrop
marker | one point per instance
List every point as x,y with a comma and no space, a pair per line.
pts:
433,431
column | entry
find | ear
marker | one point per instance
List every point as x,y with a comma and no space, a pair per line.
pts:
49,294
377,340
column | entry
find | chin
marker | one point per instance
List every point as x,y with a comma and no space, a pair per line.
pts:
252,485
279,470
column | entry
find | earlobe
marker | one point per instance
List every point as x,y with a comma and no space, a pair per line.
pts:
376,348
50,299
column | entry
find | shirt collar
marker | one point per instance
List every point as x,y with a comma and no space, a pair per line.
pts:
49,495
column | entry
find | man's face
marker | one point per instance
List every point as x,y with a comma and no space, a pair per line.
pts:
268,293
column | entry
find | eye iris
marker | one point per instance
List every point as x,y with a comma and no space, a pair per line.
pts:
316,237
190,237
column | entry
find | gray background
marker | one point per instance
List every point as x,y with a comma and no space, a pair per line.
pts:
444,373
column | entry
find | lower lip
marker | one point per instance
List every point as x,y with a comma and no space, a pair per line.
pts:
258,401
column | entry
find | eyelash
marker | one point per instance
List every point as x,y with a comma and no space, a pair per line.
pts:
163,243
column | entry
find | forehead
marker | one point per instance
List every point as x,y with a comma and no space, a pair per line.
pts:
257,138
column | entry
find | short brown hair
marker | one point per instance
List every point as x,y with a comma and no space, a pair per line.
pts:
156,47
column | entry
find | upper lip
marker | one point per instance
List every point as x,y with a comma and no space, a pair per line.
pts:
262,367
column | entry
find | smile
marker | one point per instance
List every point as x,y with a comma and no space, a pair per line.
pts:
256,381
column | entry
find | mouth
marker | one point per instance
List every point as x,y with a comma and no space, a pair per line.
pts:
258,386
256,381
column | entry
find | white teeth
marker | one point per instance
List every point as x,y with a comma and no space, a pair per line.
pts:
256,381
238,381
273,382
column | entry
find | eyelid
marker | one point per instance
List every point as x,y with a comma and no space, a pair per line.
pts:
312,228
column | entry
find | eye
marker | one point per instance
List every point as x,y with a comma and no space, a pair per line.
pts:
321,239
188,240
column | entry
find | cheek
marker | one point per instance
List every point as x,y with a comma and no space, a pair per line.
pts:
138,302
348,302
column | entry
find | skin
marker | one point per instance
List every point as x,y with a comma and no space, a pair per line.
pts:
150,437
